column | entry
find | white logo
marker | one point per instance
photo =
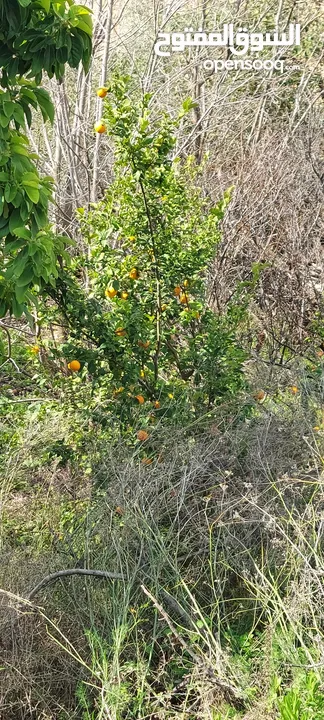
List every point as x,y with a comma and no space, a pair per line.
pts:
238,43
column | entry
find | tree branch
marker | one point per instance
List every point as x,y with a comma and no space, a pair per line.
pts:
72,571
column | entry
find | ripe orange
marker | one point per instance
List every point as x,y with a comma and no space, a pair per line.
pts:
142,435
157,404
147,461
110,292
260,395
145,344
134,274
121,332
35,350
294,389
102,92
74,365
100,127
140,399
183,299
177,291
124,295
186,283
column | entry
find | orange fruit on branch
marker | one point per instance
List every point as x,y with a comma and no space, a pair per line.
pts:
110,292
102,92
121,332
144,344
35,349
74,365
134,274
177,291
100,127
124,295
140,399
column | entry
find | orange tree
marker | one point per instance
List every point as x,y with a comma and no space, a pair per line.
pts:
144,326
35,37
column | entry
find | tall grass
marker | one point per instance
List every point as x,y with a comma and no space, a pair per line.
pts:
221,548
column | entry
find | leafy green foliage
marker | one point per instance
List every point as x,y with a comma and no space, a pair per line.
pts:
35,37
304,701
43,36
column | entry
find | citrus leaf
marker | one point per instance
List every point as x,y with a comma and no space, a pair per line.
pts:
32,192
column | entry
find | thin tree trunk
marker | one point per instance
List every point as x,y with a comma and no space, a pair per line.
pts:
99,103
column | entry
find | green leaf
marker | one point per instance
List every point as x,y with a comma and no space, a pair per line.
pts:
85,24
26,277
20,263
32,192
79,10
20,293
15,221
10,192
45,4
19,150
40,217
12,245
18,114
187,105
4,120
3,308
59,8
30,178
28,93
17,308
8,108
4,230
24,3
22,232
45,104
27,112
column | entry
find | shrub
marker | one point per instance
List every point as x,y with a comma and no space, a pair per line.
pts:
143,325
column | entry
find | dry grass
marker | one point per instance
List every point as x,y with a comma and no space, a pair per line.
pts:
227,531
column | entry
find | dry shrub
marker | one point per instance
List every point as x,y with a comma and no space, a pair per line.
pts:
275,218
